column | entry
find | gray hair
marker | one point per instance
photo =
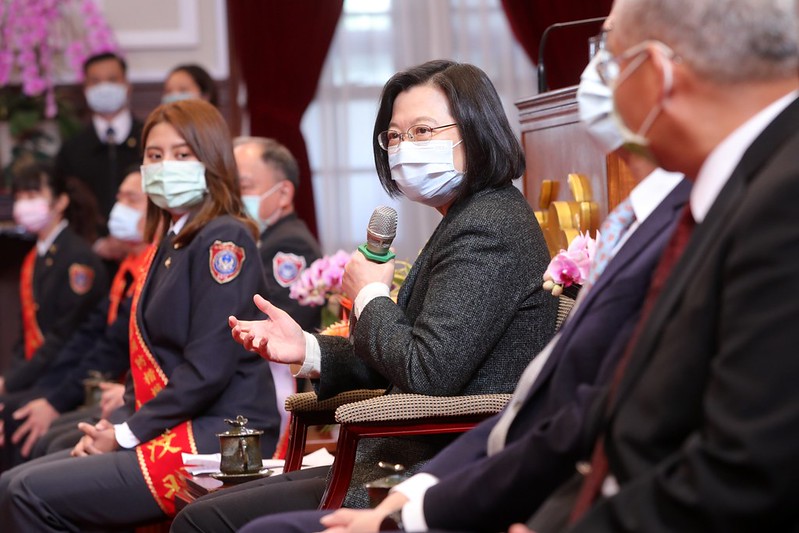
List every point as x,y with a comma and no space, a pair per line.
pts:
274,153
725,41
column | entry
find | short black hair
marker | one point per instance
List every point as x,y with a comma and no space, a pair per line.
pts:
91,60
203,80
493,155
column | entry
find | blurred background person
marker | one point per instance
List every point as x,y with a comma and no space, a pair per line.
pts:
187,375
99,347
269,177
190,81
61,280
101,152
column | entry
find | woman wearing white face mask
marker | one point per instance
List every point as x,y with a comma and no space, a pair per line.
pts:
471,313
186,375
61,279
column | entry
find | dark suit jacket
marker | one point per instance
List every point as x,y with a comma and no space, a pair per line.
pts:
704,432
481,493
86,157
289,235
468,319
183,317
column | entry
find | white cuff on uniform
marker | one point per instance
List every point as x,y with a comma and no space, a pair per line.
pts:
414,488
312,365
125,436
371,291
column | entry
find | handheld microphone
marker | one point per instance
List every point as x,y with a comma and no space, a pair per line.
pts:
380,234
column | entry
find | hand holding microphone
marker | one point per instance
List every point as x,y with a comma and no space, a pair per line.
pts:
375,260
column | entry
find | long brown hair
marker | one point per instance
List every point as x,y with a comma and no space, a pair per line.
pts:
202,127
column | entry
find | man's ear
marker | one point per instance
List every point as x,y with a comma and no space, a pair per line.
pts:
287,191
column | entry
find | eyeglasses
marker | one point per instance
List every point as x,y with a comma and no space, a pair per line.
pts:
418,134
609,66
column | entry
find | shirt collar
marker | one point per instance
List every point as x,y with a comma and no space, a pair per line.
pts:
122,124
43,245
176,226
720,164
648,194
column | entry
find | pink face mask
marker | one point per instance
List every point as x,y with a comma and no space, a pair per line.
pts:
33,214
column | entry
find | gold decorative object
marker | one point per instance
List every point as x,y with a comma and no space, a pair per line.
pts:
562,220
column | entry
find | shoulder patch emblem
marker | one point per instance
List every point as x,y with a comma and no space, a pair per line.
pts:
225,261
81,278
287,268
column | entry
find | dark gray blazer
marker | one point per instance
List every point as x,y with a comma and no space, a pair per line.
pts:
468,319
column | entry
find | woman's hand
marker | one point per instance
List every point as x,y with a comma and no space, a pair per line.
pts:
113,396
279,339
359,272
97,439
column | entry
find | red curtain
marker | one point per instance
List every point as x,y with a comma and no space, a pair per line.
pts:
281,47
566,50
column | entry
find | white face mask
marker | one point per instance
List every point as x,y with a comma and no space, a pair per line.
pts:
636,141
595,103
123,223
252,203
177,97
107,97
426,173
33,214
174,185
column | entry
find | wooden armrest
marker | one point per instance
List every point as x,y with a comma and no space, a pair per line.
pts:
307,401
394,407
394,415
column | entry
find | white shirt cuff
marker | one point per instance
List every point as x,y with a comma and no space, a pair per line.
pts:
125,436
312,365
371,291
414,488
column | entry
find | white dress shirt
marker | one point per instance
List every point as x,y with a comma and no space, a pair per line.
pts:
122,124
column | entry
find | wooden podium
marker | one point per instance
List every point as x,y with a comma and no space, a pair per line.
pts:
569,181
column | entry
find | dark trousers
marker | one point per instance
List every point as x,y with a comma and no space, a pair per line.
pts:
232,508
62,493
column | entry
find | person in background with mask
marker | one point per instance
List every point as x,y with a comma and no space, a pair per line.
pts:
100,345
269,178
190,81
471,313
61,280
186,374
499,472
100,153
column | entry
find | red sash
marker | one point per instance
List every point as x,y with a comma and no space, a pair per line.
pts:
31,334
160,458
131,264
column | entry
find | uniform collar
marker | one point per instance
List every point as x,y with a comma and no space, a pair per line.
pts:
44,244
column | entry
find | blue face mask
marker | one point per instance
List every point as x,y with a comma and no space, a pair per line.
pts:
177,97
174,185
252,204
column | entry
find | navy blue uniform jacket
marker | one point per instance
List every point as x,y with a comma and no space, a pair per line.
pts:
183,313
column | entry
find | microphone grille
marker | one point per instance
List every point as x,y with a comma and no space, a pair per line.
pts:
383,222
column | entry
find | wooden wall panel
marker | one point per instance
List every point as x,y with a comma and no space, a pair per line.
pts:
556,145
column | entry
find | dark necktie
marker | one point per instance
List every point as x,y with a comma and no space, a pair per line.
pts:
111,144
592,484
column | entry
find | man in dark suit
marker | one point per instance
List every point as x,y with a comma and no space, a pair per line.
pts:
700,429
101,152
